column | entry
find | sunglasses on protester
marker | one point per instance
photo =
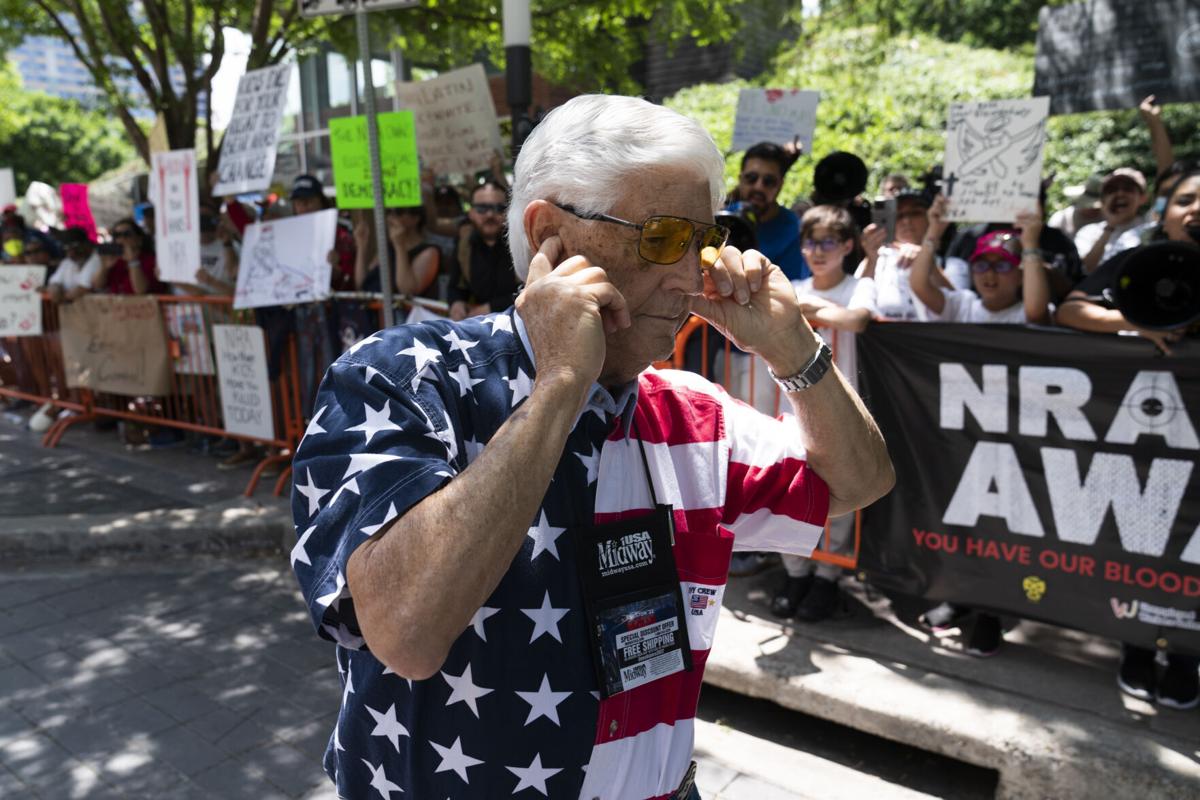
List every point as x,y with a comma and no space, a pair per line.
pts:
488,208
823,245
1001,267
768,180
664,239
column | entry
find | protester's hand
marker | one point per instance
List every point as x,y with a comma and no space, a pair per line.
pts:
458,310
1150,110
1029,223
874,237
55,293
908,254
362,233
794,149
937,218
395,227
568,309
1162,339
752,302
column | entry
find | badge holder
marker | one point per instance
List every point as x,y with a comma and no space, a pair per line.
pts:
631,597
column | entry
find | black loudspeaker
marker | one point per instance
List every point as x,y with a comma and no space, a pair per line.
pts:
839,177
1158,285
742,229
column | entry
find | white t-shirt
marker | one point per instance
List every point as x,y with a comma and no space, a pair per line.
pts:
851,293
70,275
965,306
1123,238
894,297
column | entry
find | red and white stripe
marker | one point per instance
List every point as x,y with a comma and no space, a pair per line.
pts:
736,479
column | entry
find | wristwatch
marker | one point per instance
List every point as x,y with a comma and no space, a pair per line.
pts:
812,372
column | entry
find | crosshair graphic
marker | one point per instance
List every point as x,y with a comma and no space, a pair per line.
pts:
1153,407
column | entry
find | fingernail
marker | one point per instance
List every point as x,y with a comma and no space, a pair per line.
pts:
742,297
726,287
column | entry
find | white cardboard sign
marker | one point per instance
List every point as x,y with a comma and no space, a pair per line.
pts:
455,120
242,375
177,217
20,303
248,149
8,186
993,165
775,115
284,261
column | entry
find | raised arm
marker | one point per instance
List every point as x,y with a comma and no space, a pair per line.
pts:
1160,140
1035,284
922,281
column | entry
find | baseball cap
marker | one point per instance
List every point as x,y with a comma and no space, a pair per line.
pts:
915,195
1124,172
306,186
1004,243
1086,195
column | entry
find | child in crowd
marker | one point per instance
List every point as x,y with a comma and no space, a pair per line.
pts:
841,305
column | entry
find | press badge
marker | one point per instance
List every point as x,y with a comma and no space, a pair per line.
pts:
632,600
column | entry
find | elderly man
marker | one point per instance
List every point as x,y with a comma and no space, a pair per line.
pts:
516,532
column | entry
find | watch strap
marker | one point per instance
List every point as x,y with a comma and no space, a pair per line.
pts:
812,372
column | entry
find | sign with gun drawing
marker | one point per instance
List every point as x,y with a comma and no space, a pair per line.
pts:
284,260
993,164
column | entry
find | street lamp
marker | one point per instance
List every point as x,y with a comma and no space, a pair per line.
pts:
518,72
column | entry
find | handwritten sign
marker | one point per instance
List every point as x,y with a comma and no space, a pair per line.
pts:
114,343
993,165
20,304
177,217
242,376
397,155
248,148
284,261
455,118
8,186
775,115
76,211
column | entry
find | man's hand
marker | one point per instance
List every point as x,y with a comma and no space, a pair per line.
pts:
752,302
568,308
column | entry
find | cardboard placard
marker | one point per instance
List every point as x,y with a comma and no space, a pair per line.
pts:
455,120
177,217
8,186
20,303
248,148
993,165
775,115
115,343
76,211
242,375
186,325
397,155
284,261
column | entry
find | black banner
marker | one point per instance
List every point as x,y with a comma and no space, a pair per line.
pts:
1042,473
1105,54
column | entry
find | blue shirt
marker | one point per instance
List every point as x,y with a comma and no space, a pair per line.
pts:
779,240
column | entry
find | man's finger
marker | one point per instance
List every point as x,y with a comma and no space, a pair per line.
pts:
735,268
611,303
545,260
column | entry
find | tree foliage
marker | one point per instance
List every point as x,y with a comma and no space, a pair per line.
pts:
53,140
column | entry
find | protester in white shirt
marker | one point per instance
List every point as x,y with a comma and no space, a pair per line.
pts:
1007,272
890,263
75,273
1122,195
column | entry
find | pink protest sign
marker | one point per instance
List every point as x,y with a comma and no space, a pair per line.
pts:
76,211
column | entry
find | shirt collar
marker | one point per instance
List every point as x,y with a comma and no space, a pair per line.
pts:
600,399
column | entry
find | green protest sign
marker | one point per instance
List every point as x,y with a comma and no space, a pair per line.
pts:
397,155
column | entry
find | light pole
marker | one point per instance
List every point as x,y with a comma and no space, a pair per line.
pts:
518,70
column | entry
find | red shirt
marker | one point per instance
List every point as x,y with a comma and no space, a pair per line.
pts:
119,281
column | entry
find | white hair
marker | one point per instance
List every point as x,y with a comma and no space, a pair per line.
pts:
583,152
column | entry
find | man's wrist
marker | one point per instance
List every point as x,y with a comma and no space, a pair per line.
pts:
795,357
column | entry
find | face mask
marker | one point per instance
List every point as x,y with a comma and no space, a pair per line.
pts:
13,248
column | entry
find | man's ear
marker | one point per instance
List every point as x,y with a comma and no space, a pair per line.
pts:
542,220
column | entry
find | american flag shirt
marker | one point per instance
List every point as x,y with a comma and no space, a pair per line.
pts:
515,709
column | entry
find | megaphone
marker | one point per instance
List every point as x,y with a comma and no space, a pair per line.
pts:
839,177
1158,285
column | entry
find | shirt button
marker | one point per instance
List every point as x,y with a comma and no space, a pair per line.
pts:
612,728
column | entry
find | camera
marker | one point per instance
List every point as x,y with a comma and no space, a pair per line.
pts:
883,214
110,249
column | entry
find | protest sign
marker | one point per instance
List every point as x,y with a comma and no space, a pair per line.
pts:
993,164
185,324
76,211
248,149
8,187
284,261
1060,488
242,375
1107,54
20,303
114,343
177,217
455,120
399,169
775,115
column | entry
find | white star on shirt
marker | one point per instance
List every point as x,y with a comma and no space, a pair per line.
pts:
464,690
460,345
545,619
544,537
361,343
500,322
370,372
387,725
391,514
380,782
473,449
313,428
376,420
462,376
361,462
298,552
348,689
339,584
481,616
453,758
422,355
313,492
520,387
592,463
534,776
349,486
544,702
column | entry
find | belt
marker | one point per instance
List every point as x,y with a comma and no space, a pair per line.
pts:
685,787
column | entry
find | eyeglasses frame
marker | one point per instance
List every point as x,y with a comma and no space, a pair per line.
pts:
639,227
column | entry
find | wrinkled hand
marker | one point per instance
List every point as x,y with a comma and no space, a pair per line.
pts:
568,308
752,302
1150,110
874,237
1029,223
